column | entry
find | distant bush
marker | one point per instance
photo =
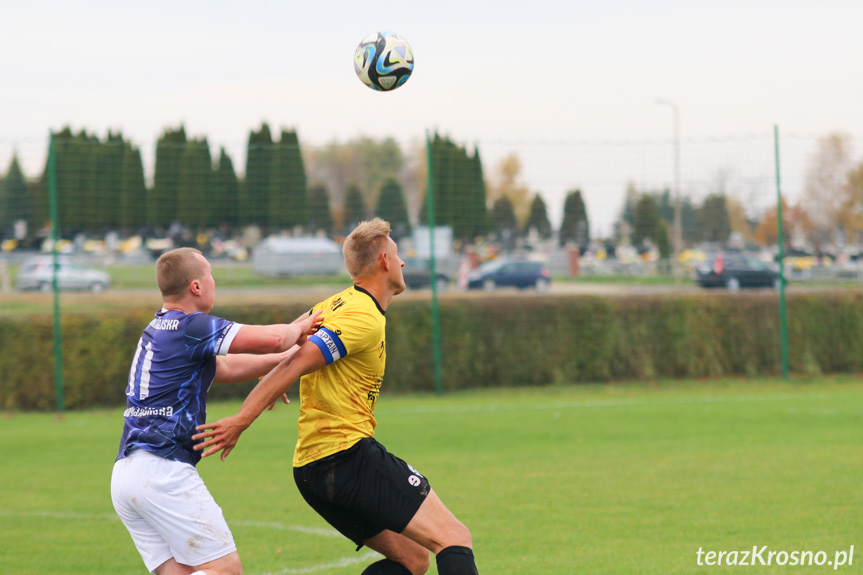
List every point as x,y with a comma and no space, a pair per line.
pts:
485,342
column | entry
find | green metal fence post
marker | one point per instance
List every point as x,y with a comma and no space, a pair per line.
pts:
438,377
783,320
58,337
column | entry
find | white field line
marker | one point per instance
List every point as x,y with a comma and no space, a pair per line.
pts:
58,515
364,558
323,532
344,562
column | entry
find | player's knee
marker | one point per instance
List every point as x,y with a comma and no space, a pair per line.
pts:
418,562
423,564
235,566
227,565
461,536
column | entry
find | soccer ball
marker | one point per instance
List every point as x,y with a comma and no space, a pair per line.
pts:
383,61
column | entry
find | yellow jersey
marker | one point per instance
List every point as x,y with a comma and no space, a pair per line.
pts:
337,402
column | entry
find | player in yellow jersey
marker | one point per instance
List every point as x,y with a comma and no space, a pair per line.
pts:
370,496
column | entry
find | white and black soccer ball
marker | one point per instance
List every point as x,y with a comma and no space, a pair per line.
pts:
384,61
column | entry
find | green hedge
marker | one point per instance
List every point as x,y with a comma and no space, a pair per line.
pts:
486,342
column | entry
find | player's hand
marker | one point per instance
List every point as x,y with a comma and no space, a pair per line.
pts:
221,436
311,325
285,400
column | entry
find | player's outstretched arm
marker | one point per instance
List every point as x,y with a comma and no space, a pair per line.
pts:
240,367
274,338
223,435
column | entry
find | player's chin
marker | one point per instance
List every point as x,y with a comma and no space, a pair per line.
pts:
399,287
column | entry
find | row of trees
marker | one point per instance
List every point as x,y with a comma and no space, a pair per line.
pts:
101,187
649,217
827,217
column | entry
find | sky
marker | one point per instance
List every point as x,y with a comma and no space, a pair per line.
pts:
506,76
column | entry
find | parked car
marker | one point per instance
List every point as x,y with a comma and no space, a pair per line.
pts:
418,275
510,273
735,271
38,274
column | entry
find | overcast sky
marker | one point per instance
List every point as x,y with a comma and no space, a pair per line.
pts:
487,73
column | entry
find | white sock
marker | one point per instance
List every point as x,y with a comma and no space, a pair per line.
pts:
199,573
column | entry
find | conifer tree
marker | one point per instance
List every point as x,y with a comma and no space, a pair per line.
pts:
83,212
575,226
503,218
14,198
462,193
288,198
538,218
477,204
161,201
255,191
79,178
442,177
392,207
105,211
320,214
226,192
646,219
40,206
75,174
459,190
355,210
194,206
133,195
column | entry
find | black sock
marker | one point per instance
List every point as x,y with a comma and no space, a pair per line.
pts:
386,567
455,560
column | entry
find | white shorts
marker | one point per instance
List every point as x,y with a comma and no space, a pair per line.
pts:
168,511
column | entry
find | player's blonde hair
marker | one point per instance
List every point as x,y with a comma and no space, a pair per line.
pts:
363,245
176,269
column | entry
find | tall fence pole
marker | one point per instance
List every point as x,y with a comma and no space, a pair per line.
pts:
783,320
438,376
58,337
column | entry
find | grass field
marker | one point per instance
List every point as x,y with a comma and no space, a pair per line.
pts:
560,480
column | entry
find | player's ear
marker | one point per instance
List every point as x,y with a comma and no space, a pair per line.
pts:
385,260
195,287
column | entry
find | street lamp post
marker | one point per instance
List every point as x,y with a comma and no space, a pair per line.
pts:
677,227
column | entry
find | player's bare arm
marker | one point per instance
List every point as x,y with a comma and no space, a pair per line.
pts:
223,435
274,338
240,367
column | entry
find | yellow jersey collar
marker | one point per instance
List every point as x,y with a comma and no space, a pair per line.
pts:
359,289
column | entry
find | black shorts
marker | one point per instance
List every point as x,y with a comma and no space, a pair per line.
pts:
363,490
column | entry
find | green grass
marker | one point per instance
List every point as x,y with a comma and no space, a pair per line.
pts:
560,480
143,276
225,274
135,286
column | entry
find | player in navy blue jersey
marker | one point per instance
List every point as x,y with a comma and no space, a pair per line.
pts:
174,522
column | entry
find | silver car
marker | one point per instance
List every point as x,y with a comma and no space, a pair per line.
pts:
37,274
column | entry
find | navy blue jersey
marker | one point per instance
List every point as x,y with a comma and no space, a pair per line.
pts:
171,373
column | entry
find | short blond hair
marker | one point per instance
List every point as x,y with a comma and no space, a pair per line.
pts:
176,269
363,245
